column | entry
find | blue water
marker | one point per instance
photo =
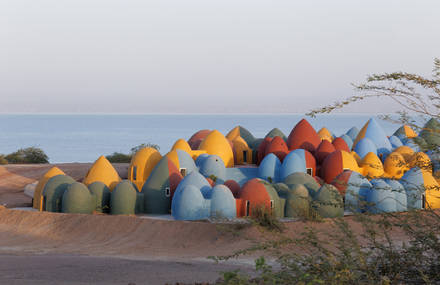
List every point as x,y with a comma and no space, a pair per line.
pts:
83,138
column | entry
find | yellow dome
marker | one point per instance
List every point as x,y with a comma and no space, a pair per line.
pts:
349,162
182,145
372,166
421,160
242,152
38,194
325,134
432,188
141,165
216,143
102,170
405,151
174,157
356,157
409,132
395,165
234,133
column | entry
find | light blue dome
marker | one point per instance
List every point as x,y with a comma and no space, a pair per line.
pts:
292,163
223,203
270,167
365,146
381,197
190,205
213,165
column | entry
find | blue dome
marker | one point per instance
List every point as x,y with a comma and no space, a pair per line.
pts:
414,186
348,140
213,165
365,146
223,203
197,180
190,205
356,193
292,163
381,197
201,158
270,167
186,161
353,133
399,194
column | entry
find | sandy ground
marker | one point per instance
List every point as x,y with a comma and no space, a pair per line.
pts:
57,248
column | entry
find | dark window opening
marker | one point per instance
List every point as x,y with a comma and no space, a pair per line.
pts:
423,201
134,173
244,156
248,205
167,192
272,205
310,171
183,171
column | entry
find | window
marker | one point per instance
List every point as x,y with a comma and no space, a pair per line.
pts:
272,205
245,156
346,169
423,201
183,171
167,192
134,174
248,205
310,171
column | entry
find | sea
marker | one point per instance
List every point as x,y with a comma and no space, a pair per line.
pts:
83,138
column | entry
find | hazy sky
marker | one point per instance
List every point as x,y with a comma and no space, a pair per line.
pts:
205,56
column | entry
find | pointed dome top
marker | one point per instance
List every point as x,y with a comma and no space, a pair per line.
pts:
102,170
303,136
183,145
376,134
216,143
325,134
276,132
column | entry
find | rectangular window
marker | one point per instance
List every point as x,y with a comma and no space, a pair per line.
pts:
346,169
423,201
167,192
248,205
183,171
244,156
272,205
134,174
310,171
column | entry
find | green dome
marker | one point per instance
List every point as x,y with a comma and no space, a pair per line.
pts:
53,192
123,199
276,132
297,202
101,194
303,178
78,199
431,132
328,202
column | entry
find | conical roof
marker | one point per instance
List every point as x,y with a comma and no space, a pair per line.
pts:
276,132
102,170
303,136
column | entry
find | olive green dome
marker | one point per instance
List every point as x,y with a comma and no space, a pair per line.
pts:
431,132
123,199
282,189
328,202
275,132
53,192
101,194
78,199
303,178
297,202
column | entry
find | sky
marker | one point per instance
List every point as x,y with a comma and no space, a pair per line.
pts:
202,56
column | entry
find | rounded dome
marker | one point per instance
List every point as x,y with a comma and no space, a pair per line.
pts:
336,163
341,144
141,165
123,199
223,203
182,145
38,193
372,166
197,138
324,149
233,186
275,132
77,199
291,164
365,146
325,134
406,152
101,193
395,142
182,160
328,202
53,192
102,170
269,168
197,180
261,152
353,133
302,178
395,165
278,147
213,166
190,205
297,202
381,198
348,141
399,195
216,144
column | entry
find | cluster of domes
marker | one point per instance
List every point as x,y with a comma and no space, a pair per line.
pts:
304,173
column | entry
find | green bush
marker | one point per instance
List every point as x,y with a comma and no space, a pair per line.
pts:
118,157
27,155
3,160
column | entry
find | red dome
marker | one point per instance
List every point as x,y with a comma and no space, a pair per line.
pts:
278,147
340,144
262,149
303,136
341,181
310,161
324,149
233,186
174,176
197,138
256,193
